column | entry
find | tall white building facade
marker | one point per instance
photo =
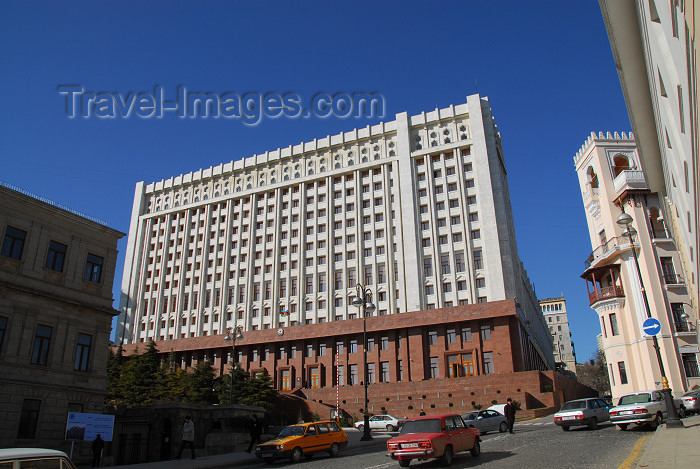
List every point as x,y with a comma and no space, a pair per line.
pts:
613,180
554,311
417,209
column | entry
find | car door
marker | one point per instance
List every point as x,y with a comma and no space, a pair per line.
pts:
310,440
324,437
455,433
375,422
604,416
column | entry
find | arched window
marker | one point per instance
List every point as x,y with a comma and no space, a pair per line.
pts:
620,163
592,177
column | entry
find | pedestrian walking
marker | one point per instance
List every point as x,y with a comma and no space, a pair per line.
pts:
98,445
187,437
509,411
255,432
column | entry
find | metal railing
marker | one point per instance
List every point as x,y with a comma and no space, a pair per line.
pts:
684,326
673,279
605,293
661,233
604,249
51,202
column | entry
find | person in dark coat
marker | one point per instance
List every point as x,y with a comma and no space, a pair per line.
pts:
98,445
255,432
509,411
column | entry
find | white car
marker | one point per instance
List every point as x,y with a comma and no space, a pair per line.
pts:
34,457
380,422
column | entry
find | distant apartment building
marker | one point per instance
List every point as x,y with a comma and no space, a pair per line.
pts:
613,180
56,273
557,319
416,209
653,44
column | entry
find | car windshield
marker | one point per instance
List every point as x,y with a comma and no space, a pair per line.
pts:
573,405
691,393
635,399
421,426
295,430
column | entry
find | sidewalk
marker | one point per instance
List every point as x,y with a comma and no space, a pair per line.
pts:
672,447
241,458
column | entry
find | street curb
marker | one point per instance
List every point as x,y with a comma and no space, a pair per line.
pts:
634,455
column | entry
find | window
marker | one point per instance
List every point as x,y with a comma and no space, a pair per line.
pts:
459,262
432,338
384,343
28,419
353,375
466,334
488,363
353,346
477,259
56,256
13,243
42,340
3,328
613,325
444,264
485,332
93,268
434,367
428,267
370,344
82,352
451,336
690,364
384,370
623,372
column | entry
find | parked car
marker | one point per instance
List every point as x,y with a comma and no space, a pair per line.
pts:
644,407
691,401
588,412
34,457
380,422
433,436
486,421
304,439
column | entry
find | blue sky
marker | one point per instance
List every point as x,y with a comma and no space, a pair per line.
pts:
546,67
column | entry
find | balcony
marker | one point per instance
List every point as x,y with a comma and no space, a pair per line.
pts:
630,179
604,249
684,326
605,293
673,279
660,234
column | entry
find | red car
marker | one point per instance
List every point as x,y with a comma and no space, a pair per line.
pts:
433,436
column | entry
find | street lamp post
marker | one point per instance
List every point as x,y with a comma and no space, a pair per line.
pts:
673,421
231,337
363,301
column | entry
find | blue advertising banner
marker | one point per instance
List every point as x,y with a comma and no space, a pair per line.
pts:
85,427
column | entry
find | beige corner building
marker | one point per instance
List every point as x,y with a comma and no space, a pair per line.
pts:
613,180
56,274
554,312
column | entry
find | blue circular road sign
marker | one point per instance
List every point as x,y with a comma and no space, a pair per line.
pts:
651,326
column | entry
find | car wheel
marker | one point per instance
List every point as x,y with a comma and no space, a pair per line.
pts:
476,450
565,428
622,426
361,428
335,449
446,458
682,413
503,427
593,424
404,462
390,428
657,421
269,460
296,455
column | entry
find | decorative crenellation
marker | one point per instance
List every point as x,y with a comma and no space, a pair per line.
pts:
593,138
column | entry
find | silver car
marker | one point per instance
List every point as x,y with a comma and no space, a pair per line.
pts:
588,412
691,401
486,421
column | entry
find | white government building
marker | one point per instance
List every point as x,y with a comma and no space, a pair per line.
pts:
418,209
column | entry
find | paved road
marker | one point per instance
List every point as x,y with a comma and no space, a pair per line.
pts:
535,444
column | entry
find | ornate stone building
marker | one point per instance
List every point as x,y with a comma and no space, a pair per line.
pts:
56,274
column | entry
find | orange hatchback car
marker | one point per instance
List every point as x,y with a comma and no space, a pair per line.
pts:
433,436
304,440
